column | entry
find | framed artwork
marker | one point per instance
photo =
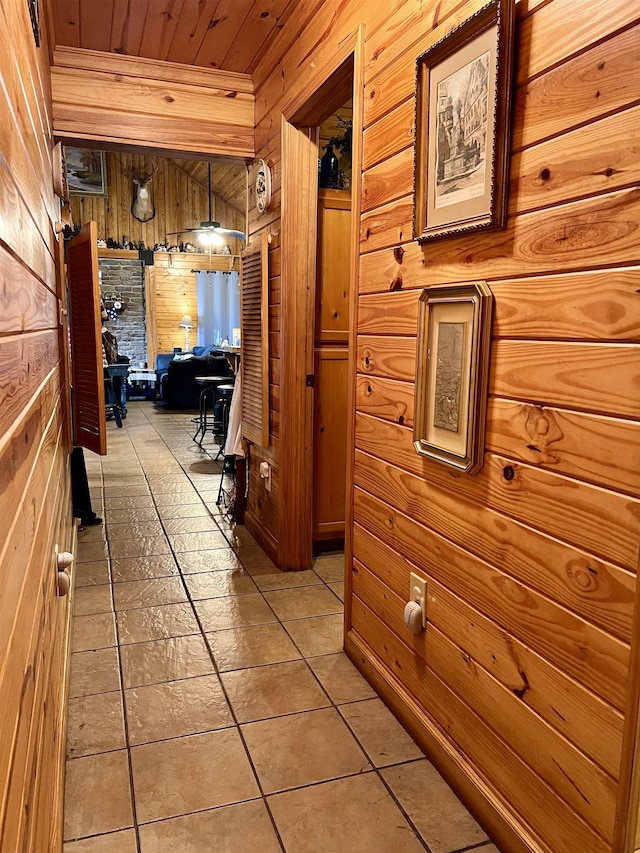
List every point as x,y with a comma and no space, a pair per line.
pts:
452,373
463,126
86,171
60,185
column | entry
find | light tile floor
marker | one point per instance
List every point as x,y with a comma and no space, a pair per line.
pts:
211,707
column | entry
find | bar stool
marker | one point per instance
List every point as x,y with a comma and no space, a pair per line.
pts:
224,393
206,419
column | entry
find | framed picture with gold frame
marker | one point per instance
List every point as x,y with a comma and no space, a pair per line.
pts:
463,124
452,373
86,171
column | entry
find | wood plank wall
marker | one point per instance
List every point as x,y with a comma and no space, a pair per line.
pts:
521,678
145,103
180,202
35,510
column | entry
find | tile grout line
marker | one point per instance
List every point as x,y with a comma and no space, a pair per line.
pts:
332,705
210,652
236,724
308,667
123,692
236,547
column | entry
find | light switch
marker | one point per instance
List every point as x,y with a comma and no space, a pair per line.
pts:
418,592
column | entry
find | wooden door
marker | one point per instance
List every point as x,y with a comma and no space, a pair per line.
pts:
89,418
331,363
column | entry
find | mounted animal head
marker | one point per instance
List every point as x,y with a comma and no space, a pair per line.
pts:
142,207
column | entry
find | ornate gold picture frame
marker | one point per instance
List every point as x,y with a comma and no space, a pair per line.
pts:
463,126
452,373
86,171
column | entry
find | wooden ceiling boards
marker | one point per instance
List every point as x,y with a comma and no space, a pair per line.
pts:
229,34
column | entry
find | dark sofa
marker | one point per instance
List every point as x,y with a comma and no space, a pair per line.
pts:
179,388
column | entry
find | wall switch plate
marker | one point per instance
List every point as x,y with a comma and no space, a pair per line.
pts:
418,592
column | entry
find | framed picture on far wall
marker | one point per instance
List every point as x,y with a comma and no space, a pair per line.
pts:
452,373
86,171
463,124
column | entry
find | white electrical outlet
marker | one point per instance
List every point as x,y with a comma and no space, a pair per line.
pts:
418,592
265,474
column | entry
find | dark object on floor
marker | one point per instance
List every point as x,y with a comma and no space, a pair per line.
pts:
179,388
113,388
227,489
232,491
80,497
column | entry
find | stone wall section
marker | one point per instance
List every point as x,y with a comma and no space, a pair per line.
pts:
123,280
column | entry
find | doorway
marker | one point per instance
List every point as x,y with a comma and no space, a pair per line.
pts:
331,330
340,79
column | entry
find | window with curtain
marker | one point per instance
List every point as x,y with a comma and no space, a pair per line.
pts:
218,300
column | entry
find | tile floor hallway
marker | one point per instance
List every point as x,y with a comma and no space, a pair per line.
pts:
211,708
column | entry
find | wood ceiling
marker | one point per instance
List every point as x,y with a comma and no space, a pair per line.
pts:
228,181
228,34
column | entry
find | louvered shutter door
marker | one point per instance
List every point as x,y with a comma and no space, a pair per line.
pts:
255,343
87,373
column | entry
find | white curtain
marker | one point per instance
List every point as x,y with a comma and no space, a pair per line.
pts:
218,299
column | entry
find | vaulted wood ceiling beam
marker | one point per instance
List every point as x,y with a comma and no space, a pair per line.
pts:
129,101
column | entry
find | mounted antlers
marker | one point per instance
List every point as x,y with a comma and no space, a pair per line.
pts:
142,207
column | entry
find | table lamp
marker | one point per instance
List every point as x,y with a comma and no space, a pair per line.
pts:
186,323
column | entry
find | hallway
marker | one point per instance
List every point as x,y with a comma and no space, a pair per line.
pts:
211,707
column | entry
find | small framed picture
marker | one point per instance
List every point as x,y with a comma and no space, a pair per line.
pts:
86,171
452,373
463,124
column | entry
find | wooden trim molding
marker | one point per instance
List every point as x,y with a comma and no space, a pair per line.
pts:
299,210
627,826
356,193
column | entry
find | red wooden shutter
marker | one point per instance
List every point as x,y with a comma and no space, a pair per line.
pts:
87,373
255,343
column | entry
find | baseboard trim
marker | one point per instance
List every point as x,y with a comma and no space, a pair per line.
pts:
262,536
494,817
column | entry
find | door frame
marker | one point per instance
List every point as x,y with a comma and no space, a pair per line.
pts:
299,128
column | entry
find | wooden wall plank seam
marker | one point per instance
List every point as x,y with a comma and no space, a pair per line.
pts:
587,653
588,790
590,723
541,499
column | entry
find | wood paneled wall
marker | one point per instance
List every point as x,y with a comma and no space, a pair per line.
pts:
35,507
144,103
180,202
518,688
